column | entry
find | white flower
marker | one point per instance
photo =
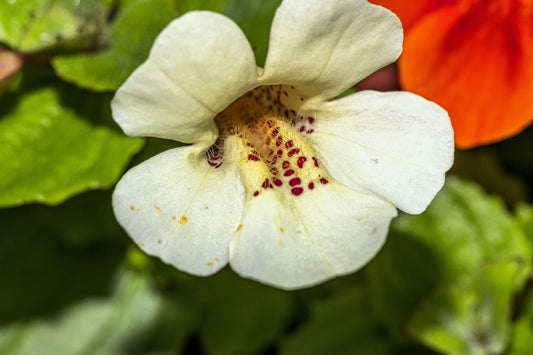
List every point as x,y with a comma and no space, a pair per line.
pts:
289,188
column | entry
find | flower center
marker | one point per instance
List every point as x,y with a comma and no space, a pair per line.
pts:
269,142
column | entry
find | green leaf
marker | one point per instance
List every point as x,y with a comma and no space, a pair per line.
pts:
239,316
471,316
120,324
209,5
462,230
48,153
340,324
522,342
33,25
132,35
255,18
524,216
483,166
41,273
80,221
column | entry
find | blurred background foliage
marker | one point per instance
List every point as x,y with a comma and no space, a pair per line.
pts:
455,279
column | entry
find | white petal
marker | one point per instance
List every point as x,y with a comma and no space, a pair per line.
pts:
397,145
325,47
198,65
294,242
176,207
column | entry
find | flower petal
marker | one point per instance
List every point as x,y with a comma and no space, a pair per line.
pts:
198,65
397,145
410,12
294,242
475,61
180,209
325,47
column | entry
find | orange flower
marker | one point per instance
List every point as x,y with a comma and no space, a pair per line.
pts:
474,58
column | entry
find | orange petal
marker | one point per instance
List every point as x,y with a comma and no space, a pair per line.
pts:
475,60
410,11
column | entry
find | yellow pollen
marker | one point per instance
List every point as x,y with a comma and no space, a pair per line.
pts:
183,220
239,227
269,141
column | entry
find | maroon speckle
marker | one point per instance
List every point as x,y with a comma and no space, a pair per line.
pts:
275,132
301,161
297,191
302,128
315,161
278,182
289,144
265,184
256,193
293,152
309,131
279,141
324,181
288,172
279,153
295,181
285,164
253,157
311,120
311,186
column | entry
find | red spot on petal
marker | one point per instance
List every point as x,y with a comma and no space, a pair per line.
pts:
285,164
311,186
315,161
279,141
279,153
296,191
289,144
302,128
256,193
288,172
253,157
278,182
293,152
323,181
301,161
309,131
265,184
295,181
275,132
311,120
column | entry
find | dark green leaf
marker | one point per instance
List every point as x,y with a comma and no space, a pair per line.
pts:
340,324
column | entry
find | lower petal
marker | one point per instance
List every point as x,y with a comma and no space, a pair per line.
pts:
180,209
397,145
293,242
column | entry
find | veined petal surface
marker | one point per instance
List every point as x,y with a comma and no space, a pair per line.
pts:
399,145
294,242
180,209
198,65
325,47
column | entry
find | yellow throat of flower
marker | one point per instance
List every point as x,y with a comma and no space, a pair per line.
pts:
269,143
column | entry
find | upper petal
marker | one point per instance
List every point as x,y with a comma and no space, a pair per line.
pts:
397,145
325,47
199,64
293,242
180,209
